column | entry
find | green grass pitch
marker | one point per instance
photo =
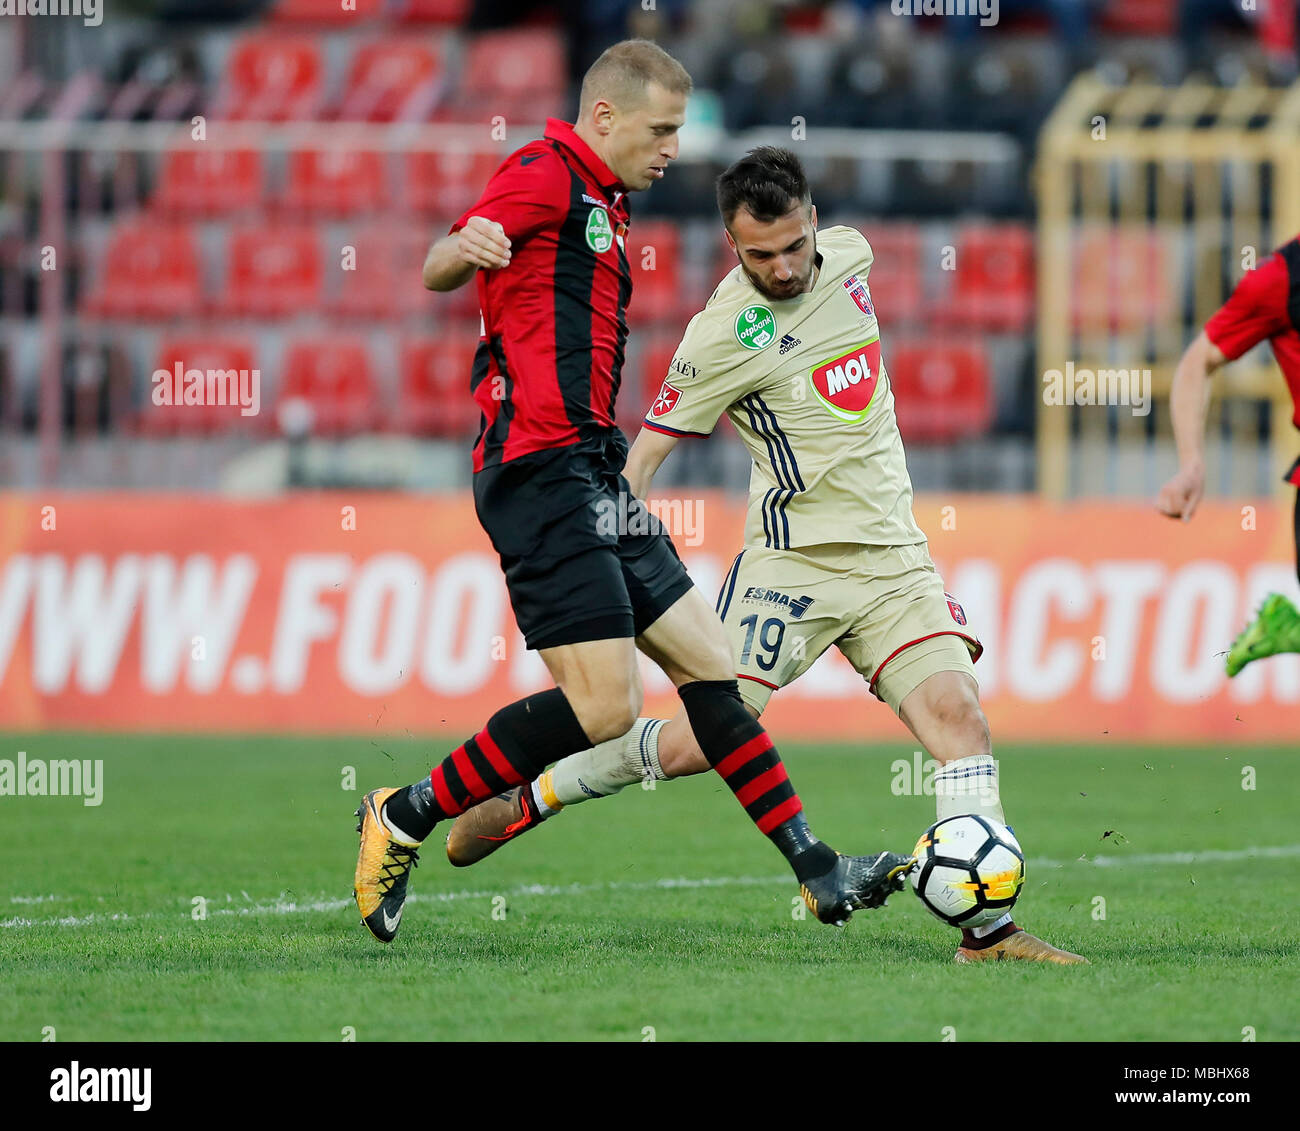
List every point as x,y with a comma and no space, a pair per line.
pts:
659,915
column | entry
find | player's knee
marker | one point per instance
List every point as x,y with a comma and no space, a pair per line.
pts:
610,716
714,659
962,713
956,708
721,663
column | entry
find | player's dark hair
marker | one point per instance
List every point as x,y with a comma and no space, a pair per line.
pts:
766,182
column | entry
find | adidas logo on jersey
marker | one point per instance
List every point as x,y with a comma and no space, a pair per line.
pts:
788,343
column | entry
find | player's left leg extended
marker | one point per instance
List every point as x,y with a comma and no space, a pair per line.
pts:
918,653
944,714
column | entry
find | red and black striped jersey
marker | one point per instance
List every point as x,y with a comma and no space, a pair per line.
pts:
1265,304
554,322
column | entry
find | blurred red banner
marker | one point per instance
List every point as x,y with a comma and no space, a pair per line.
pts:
356,613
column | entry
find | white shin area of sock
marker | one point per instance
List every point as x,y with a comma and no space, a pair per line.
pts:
968,785
610,766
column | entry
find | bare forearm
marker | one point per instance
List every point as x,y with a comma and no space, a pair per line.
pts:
444,267
649,450
1189,400
639,478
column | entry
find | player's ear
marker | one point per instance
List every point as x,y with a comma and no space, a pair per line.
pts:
730,242
602,116
814,217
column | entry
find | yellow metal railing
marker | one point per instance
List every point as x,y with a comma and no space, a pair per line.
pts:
1153,202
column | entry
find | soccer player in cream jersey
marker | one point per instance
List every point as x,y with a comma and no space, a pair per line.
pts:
789,348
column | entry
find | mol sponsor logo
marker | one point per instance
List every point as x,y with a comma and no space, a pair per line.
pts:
845,385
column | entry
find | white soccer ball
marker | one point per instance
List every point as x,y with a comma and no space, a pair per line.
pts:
969,870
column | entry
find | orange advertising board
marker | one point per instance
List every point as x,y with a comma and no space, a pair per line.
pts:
347,612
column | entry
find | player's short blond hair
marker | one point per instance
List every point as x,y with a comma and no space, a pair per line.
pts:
623,73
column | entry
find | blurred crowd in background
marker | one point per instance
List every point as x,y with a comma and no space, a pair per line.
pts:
233,256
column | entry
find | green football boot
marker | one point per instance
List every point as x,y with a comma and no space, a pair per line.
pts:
1276,628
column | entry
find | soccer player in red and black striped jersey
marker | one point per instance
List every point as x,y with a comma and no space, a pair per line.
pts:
545,243
1264,305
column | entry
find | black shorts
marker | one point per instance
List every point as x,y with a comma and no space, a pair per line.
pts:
583,559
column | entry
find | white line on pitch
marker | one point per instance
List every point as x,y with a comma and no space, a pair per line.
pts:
283,905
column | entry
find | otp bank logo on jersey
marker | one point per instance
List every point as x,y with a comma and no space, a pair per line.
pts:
666,401
846,384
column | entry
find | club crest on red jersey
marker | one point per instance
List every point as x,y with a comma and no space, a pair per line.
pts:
666,401
958,613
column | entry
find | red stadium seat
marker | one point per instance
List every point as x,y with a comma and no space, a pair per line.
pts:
332,377
325,11
149,270
993,284
654,254
434,398
453,12
445,184
1121,279
1140,17
391,80
336,181
519,74
271,78
203,352
202,180
942,391
514,64
273,272
386,280
895,279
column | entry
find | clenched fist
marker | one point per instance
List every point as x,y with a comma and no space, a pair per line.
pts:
1180,497
483,243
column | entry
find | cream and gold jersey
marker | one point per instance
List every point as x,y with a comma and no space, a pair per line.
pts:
804,382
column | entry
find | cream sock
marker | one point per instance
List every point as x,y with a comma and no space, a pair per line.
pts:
605,769
968,785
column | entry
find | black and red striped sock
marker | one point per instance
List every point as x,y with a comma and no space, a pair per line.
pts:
745,758
517,744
